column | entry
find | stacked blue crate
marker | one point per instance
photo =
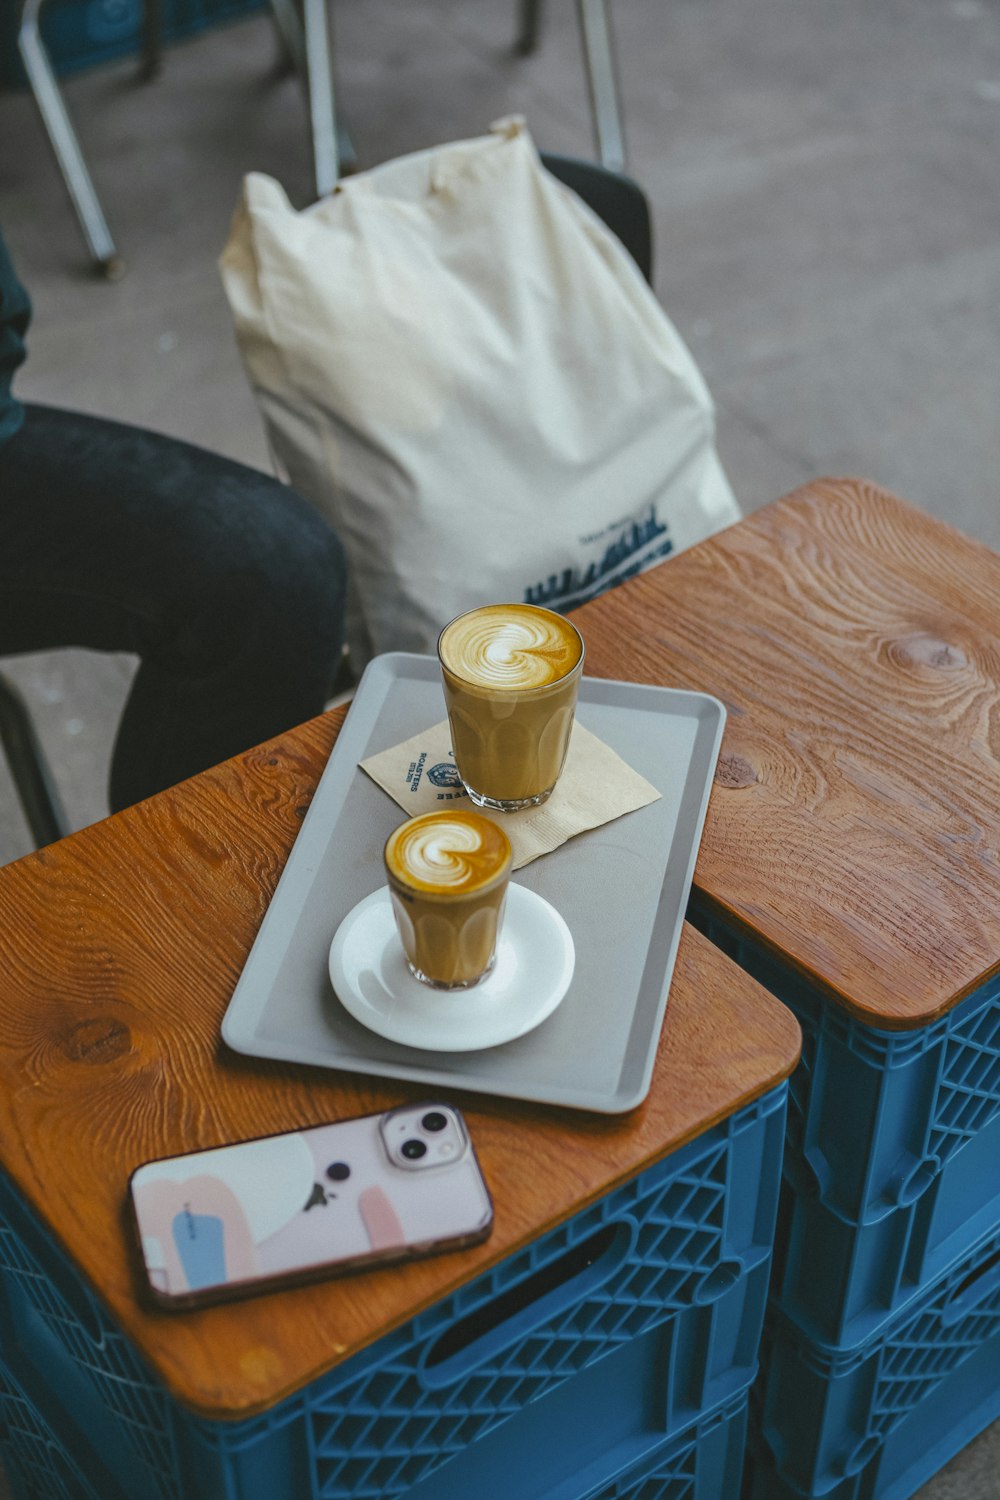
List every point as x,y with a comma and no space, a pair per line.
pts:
890,1209
609,1360
878,1418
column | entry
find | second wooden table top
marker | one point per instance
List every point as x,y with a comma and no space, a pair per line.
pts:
854,826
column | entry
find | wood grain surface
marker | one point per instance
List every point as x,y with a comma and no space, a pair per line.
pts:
120,948
854,826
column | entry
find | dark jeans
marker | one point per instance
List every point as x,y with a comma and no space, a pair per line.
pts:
227,585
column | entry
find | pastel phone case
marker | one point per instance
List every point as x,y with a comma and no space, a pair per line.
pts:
285,1208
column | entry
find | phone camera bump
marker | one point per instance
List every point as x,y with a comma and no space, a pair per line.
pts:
413,1150
434,1121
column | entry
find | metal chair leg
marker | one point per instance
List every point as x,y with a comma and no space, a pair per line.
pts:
307,41
289,27
319,75
29,769
595,24
152,39
309,45
529,27
64,142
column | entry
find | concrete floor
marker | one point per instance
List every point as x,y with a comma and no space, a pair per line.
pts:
824,180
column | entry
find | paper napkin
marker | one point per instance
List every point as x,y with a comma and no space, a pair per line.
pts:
595,787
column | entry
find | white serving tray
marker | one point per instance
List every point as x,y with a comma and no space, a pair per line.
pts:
622,889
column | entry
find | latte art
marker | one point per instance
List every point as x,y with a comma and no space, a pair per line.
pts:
508,647
510,675
450,852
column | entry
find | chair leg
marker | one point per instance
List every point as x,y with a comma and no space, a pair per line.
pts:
595,23
152,39
307,42
319,73
529,28
64,142
29,769
289,28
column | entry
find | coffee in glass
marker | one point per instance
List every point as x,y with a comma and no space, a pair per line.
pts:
448,874
511,673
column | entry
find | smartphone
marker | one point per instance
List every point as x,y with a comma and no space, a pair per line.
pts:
283,1209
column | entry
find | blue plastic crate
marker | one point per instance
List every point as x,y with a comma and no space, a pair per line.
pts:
37,1463
82,33
840,1281
705,1462
876,1116
589,1348
869,1421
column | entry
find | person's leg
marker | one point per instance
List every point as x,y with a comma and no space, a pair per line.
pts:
227,585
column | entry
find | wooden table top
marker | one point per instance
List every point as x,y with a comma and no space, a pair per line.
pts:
854,826
120,948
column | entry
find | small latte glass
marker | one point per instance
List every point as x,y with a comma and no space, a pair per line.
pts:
511,674
448,874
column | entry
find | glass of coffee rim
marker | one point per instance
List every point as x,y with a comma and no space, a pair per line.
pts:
448,874
511,674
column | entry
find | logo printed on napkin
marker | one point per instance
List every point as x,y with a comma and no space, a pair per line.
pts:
596,786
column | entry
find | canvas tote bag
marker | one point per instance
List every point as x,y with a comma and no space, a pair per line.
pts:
463,368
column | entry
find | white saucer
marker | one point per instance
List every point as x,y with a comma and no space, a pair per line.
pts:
534,966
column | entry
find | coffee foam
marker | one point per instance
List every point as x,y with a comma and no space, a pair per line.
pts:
451,852
510,646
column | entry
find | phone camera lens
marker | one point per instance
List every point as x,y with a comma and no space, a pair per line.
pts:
413,1150
435,1120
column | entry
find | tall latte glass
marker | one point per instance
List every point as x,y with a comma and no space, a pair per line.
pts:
448,875
511,673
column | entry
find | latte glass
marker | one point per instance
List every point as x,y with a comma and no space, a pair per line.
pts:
511,674
448,874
